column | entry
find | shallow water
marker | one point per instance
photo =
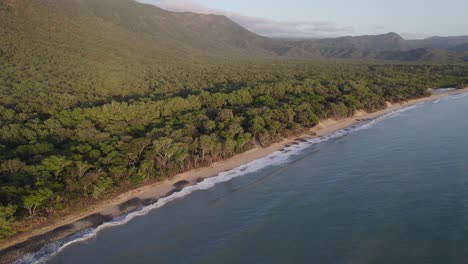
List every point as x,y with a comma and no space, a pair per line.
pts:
394,190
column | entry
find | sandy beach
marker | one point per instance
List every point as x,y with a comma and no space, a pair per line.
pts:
134,199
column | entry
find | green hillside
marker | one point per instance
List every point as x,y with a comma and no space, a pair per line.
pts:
76,51
66,49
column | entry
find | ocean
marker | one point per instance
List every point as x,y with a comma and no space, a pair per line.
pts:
389,190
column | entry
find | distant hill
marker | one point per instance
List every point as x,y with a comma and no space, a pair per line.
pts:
139,31
439,42
389,46
390,41
422,54
462,47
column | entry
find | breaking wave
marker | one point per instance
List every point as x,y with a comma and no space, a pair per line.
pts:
443,90
456,96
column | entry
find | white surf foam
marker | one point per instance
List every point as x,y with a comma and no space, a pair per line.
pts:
274,159
388,116
443,90
456,96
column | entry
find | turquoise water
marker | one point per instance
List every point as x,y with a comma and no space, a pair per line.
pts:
391,191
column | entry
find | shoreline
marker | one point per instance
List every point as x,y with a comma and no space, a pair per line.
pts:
105,211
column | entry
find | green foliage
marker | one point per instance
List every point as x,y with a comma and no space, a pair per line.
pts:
55,164
37,199
6,219
103,184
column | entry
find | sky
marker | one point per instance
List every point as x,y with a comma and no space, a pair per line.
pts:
413,19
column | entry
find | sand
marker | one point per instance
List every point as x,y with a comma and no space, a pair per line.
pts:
148,194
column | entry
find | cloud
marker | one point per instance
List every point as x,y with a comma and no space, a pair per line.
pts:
262,26
414,36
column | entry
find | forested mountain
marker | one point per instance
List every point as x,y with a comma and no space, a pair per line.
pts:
101,30
125,25
389,46
337,47
389,42
439,42
97,97
423,54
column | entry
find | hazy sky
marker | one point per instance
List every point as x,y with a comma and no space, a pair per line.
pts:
323,18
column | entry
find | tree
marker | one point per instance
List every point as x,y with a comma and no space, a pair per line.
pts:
82,168
181,155
12,166
338,110
164,150
6,219
224,114
208,126
207,145
101,186
55,164
229,147
307,118
36,200
75,182
256,125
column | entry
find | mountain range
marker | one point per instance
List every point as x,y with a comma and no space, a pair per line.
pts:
101,30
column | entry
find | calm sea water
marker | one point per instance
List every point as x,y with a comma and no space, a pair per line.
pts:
393,191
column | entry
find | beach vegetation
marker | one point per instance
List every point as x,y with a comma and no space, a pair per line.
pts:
7,214
53,159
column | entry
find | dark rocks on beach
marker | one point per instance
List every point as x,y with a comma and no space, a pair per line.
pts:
181,184
130,205
96,220
171,192
178,186
200,179
149,201
63,228
364,119
135,204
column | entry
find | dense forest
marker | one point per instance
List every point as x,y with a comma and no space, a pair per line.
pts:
58,150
